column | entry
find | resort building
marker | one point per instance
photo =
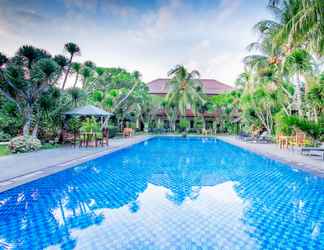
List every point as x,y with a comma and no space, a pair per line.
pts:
210,87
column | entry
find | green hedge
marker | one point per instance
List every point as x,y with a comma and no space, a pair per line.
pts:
287,123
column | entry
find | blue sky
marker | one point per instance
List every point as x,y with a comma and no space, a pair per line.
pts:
149,36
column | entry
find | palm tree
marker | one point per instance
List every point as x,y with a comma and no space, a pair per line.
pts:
302,23
245,80
185,89
86,73
298,63
90,64
73,49
77,95
62,62
76,68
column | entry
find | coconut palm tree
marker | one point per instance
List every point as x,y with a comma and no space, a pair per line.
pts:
76,68
185,89
302,23
298,63
73,49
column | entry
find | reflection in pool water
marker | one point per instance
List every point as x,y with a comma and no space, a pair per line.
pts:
168,193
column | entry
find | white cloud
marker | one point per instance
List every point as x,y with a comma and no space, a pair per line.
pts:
212,41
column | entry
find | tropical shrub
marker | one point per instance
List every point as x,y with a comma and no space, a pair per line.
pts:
23,144
74,124
199,123
90,125
183,124
282,126
313,129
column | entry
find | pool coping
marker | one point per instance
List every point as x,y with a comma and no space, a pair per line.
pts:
19,180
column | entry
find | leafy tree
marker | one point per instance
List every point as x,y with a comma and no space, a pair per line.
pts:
77,95
73,49
86,74
76,69
262,104
315,98
302,24
62,62
298,63
25,77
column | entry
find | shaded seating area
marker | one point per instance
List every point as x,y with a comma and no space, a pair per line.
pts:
92,131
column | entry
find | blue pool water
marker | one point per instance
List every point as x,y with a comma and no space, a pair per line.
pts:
168,193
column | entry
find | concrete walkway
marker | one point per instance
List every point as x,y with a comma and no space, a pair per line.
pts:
310,164
17,169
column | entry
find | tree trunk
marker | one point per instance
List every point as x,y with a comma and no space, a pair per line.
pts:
125,98
35,131
67,72
28,117
84,83
299,96
76,80
315,115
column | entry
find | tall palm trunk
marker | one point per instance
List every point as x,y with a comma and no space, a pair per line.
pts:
76,80
299,95
67,72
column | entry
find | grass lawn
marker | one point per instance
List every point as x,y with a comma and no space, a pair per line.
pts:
49,146
4,150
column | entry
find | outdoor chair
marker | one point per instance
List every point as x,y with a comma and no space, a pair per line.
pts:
127,132
310,150
243,135
299,140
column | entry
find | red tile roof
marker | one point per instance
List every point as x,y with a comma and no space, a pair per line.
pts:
210,86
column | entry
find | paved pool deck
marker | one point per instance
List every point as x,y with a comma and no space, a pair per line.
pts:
312,164
17,169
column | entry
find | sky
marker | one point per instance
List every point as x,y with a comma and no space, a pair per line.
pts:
150,36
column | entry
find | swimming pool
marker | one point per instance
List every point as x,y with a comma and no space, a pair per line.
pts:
168,193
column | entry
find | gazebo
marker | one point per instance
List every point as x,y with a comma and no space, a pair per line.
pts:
89,111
